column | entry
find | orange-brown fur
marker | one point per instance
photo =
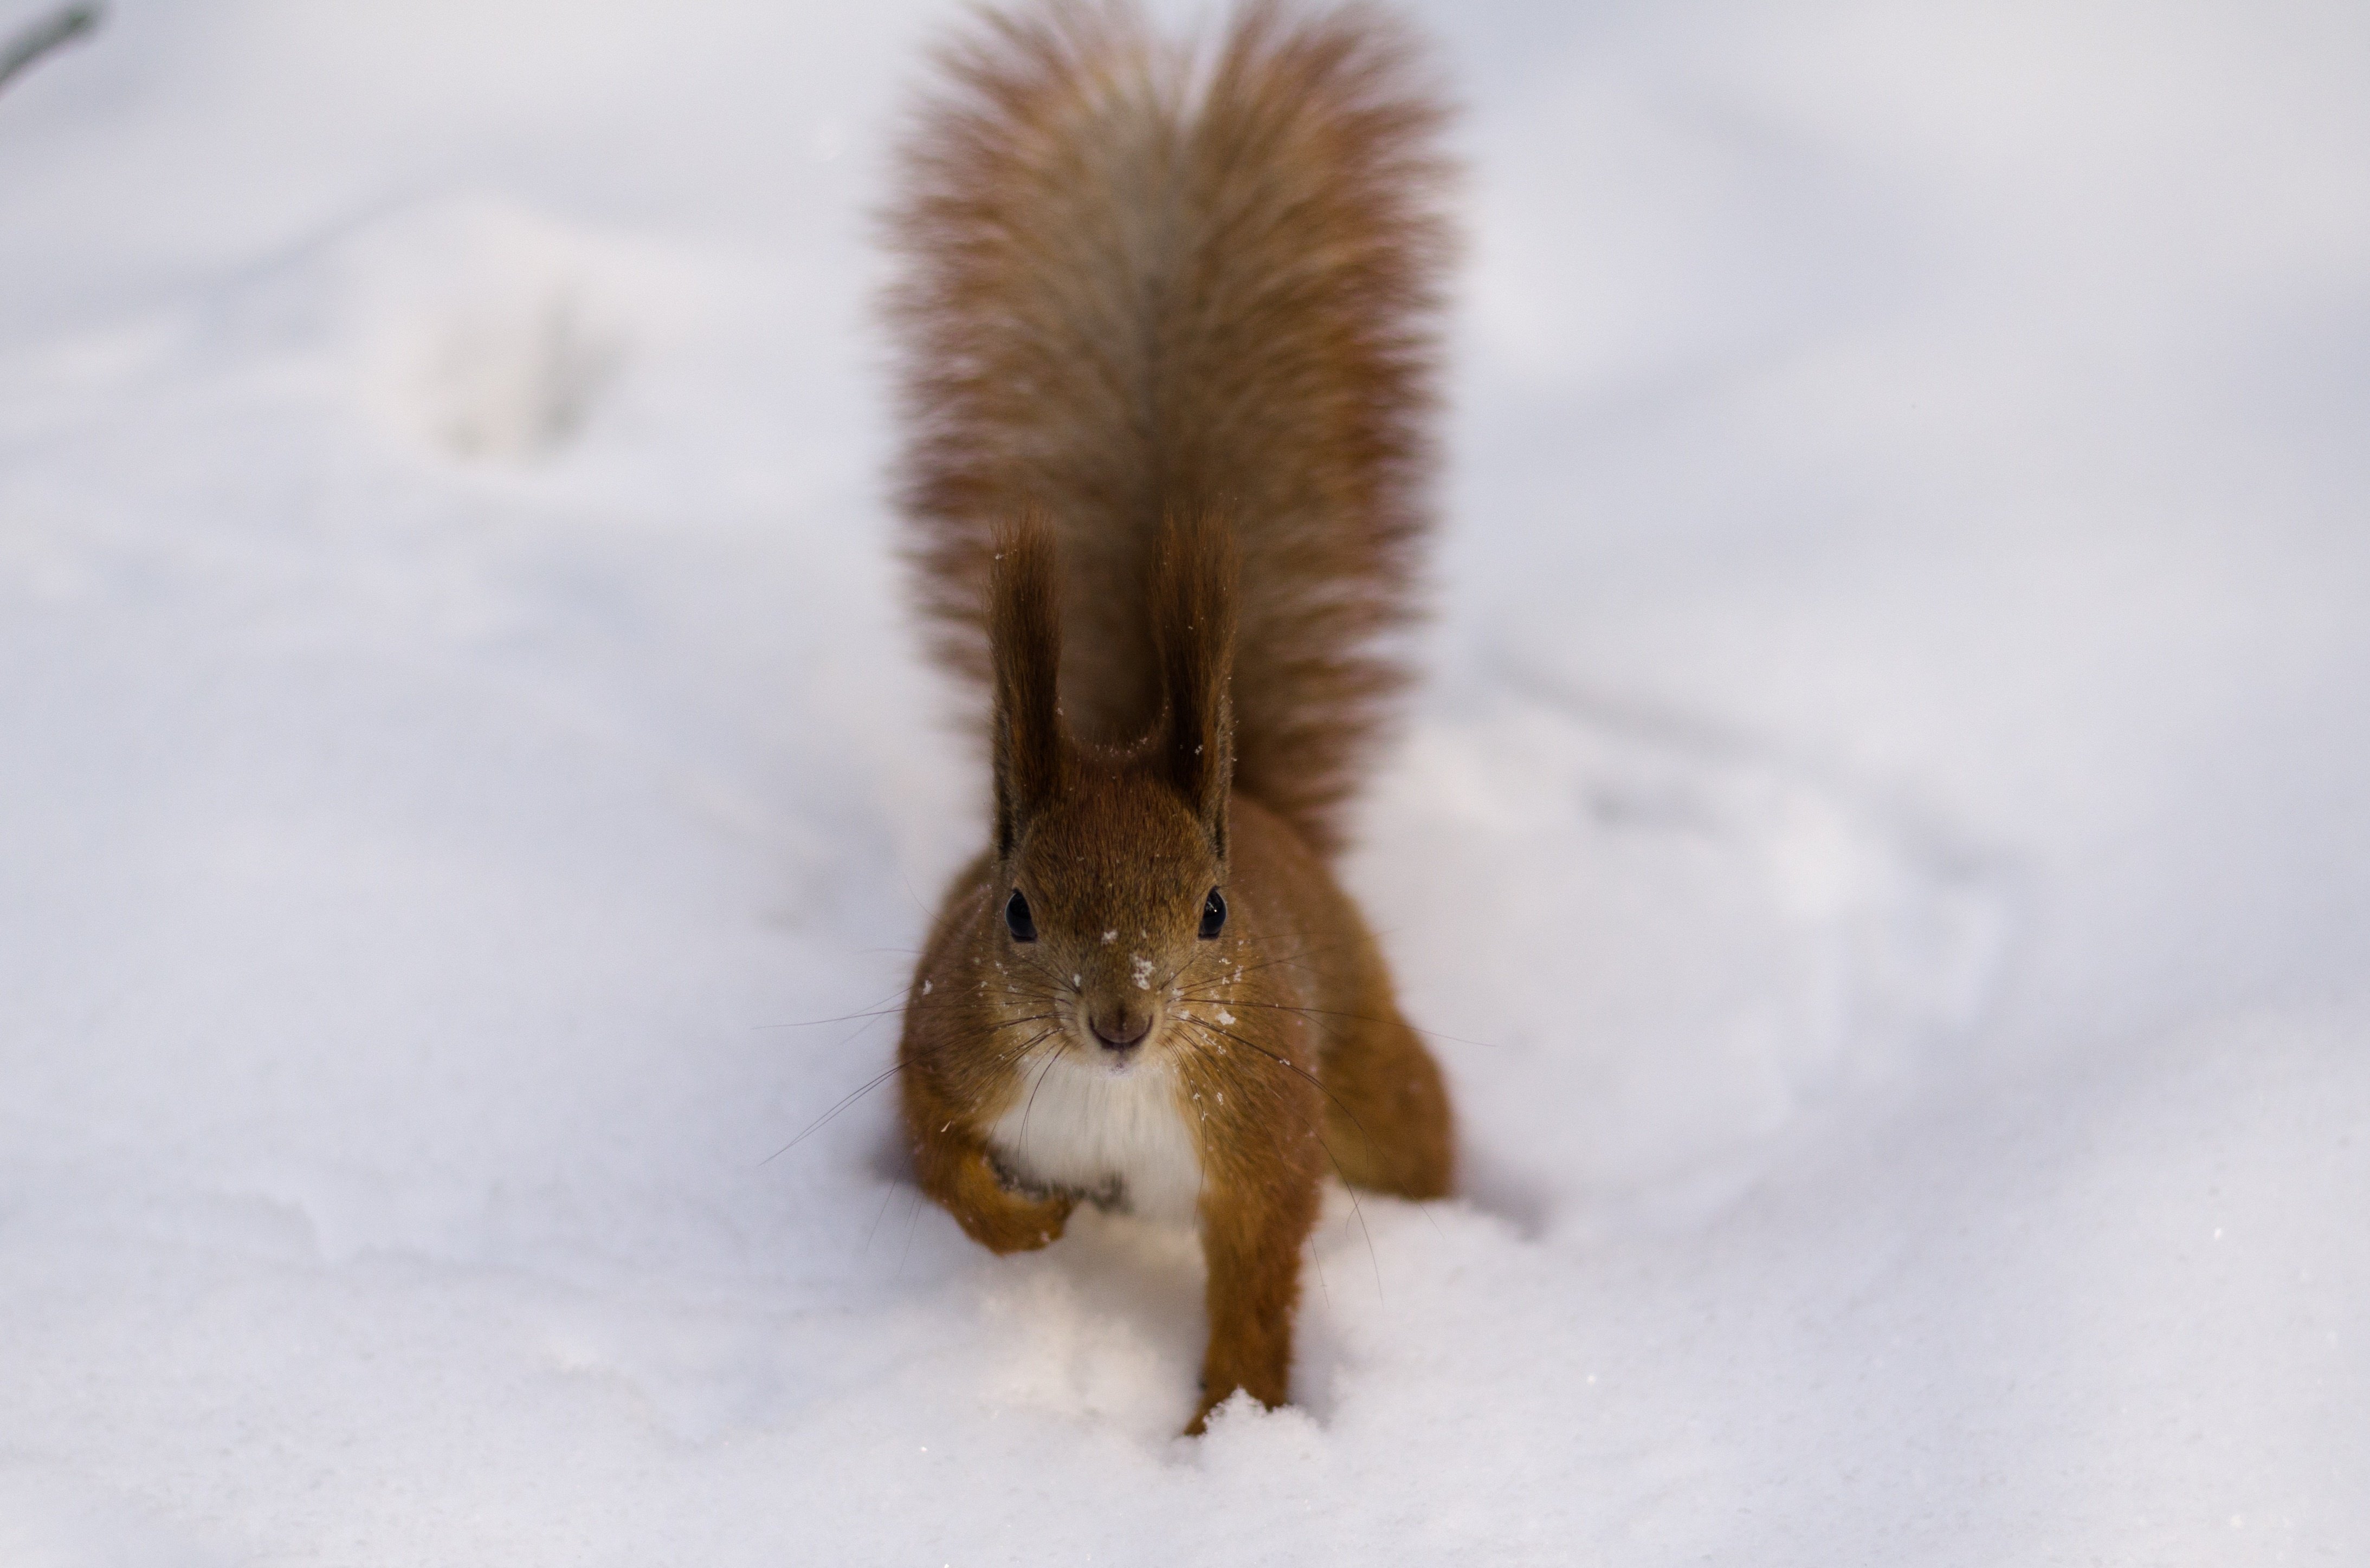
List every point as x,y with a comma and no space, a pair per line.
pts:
1168,336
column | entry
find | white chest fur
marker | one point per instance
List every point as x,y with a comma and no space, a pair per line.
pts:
1076,1124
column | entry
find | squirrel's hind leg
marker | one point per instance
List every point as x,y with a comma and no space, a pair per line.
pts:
1386,1116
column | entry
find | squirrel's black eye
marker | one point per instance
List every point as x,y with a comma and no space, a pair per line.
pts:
1022,925
1213,915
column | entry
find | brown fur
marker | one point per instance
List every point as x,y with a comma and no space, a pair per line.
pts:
1168,341
1127,294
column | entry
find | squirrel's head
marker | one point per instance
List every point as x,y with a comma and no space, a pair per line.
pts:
1111,861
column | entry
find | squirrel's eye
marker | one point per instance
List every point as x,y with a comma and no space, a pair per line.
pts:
1213,915
1022,925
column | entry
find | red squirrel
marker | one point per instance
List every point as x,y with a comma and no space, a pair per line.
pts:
1168,333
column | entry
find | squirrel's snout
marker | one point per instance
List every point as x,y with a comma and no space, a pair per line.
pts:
1120,1028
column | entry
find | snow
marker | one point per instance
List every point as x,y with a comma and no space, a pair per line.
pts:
1884,845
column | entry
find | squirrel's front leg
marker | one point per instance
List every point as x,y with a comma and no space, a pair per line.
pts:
1251,1240
954,1168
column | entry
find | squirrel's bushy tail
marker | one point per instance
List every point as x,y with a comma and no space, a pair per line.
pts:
1140,282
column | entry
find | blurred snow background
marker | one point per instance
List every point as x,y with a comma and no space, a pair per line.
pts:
1886,843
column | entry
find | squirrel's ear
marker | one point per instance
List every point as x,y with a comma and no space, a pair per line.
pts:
1024,635
1193,603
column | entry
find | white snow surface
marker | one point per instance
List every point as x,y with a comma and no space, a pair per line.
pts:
1882,842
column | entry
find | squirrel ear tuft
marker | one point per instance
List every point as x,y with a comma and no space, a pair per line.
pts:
1193,606
1024,634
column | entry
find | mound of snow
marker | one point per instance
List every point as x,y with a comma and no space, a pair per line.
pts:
1682,944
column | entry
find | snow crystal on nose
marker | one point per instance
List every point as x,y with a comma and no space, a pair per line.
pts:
1141,967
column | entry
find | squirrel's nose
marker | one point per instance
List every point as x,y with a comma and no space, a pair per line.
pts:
1120,1028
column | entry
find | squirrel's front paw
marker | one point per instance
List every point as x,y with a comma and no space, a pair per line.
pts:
1004,1220
1012,1223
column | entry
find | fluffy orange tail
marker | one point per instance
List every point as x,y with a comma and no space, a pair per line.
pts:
1139,283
